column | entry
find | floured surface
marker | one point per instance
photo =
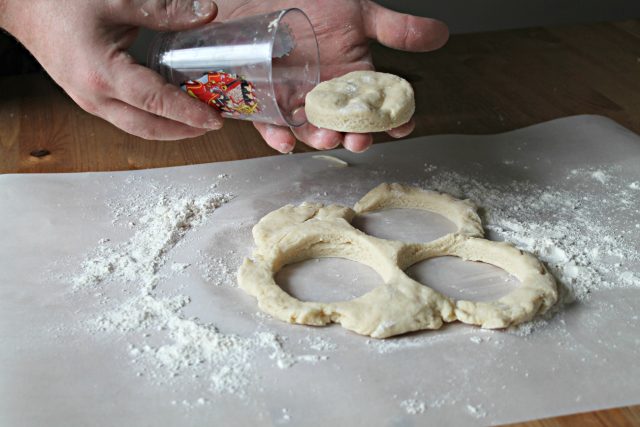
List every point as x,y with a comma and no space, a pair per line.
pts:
129,349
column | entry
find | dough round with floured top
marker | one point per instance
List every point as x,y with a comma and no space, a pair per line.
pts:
361,101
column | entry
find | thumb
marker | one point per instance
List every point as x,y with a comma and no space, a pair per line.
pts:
165,15
402,31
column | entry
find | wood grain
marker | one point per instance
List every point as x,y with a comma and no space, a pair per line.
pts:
478,84
618,417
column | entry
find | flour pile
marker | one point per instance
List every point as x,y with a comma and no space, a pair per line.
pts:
171,344
140,258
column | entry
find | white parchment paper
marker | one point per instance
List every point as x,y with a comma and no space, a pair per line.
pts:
53,372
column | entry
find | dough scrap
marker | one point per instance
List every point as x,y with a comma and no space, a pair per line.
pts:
296,233
337,162
361,101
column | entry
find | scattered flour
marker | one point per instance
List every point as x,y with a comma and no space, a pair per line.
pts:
319,343
476,411
413,406
285,416
179,266
400,343
173,345
430,168
157,232
404,343
219,271
571,231
600,176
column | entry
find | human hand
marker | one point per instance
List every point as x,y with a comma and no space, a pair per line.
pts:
343,28
82,45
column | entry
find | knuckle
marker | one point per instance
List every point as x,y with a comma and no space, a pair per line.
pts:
154,103
97,82
407,36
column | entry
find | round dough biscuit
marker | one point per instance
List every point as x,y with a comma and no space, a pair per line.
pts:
361,101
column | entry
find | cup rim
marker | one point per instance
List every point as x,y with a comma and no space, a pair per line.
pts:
281,14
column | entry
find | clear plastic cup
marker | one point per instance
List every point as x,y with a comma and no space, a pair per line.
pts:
257,68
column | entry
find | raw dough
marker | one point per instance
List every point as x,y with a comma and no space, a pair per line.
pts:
339,163
361,101
296,233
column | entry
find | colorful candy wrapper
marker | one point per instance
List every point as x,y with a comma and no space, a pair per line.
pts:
226,92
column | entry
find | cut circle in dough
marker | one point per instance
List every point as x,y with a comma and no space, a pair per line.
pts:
361,101
396,196
296,233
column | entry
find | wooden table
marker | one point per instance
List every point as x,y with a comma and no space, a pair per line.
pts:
478,84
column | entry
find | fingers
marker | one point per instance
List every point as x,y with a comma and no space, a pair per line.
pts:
357,142
325,139
146,125
402,31
144,89
320,139
277,137
163,15
402,131
283,140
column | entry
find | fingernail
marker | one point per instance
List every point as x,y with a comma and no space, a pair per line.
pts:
202,8
335,144
285,148
323,135
353,150
213,124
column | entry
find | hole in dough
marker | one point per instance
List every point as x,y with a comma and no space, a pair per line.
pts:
466,280
327,279
406,225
